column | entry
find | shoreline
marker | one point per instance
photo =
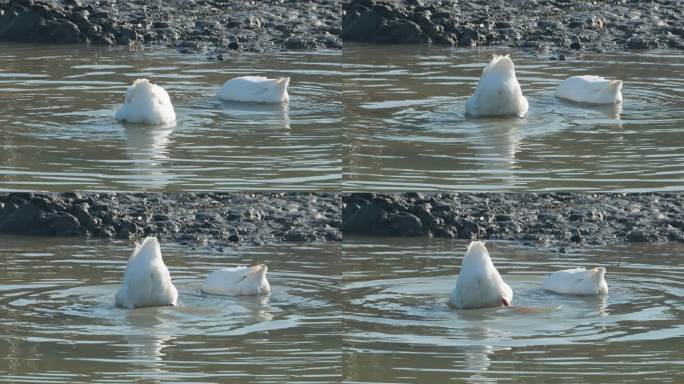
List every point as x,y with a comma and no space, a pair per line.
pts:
571,27
217,27
198,219
550,219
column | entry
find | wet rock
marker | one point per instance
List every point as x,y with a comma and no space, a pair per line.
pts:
58,224
259,25
542,25
469,38
61,31
20,220
560,219
195,219
364,220
404,31
127,230
469,230
402,224
363,27
299,42
81,212
20,26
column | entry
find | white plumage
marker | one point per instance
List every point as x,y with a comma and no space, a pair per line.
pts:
498,92
590,90
238,281
146,103
577,281
479,284
147,281
257,89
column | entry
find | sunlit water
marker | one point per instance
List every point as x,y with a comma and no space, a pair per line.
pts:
57,106
398,327
58,322
406,129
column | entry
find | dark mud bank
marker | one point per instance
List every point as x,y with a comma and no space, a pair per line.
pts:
213,219
192,25
539,24
549,219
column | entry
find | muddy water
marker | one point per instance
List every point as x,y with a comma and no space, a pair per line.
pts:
398,327
406,129
58,323
57,106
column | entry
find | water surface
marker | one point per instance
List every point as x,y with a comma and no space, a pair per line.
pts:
398,327
58,322
59,133
406,129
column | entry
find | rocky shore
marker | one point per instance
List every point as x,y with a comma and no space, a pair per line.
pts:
539,24
548,219
189,25
196,219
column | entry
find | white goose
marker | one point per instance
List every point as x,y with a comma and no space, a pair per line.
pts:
147,281
590,90
257,89
498,92
577,281
479,284
238,281
146,103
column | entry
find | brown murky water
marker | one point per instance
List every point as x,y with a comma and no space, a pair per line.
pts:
398,327
59,133
406,129
58,323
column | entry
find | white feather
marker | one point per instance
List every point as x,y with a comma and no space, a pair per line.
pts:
577,281
479,284
147,281
498,92
146,103
237,281
256,89
590,90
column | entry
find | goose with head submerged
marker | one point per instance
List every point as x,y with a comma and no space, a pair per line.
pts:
479,283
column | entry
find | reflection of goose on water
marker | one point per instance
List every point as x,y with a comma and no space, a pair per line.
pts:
498,92
496,141
260,114
588,89
238,281
146,103
577,281
479,284
147,148
147,281
144,144
146,341
256,89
